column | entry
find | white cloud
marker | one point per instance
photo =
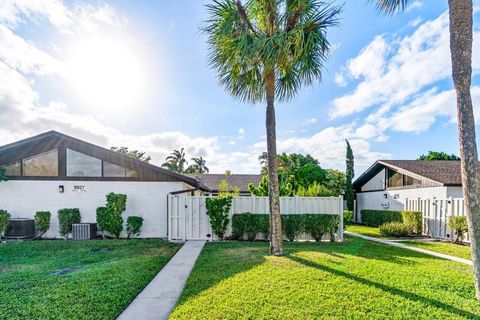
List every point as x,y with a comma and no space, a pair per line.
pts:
241,131
414,6
392,70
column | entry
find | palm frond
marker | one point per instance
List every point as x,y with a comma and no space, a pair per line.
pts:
391,6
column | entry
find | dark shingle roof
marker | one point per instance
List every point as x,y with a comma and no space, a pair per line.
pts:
241,181
445,172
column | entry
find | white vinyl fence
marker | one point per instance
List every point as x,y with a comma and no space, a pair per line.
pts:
435,214
188,220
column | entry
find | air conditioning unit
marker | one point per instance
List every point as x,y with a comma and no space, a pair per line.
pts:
20,228
84,231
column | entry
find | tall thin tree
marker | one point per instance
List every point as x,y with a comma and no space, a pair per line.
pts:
461,39
349,173
266,50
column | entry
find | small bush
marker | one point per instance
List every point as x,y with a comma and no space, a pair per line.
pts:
116,205
249,225
375,218
102,220
134,225
293,225
42,222
413,220
394,229
217,211
67,217
347,218
458,224
4,220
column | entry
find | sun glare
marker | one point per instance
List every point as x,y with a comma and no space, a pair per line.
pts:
107,73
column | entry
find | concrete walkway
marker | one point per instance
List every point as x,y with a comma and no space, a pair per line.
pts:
159,297
404,246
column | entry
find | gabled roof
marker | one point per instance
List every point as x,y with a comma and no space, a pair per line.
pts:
241,181
52,139
442,172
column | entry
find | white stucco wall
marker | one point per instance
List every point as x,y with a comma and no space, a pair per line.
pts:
455,192
146,199
396,198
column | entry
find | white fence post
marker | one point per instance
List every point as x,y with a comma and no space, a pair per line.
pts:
340,215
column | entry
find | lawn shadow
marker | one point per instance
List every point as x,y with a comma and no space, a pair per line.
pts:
388,289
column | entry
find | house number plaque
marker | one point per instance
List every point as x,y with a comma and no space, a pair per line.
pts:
79,188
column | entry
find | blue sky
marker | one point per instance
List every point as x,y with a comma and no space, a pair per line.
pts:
135,73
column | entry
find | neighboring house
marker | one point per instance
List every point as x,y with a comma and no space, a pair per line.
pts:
387,183
52,171
239,181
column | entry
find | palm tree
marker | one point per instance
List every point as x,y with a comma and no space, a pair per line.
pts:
461,38
199,166
176,161
266,50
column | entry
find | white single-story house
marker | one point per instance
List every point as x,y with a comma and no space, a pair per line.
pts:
52,171
388,183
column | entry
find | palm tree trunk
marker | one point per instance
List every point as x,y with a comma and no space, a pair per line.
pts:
461,21
273,187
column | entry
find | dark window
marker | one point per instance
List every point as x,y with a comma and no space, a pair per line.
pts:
395,179
112,170
409,181
41,165
13,169
81,165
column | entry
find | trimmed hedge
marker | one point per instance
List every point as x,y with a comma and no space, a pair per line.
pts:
394,229
317,225
375,218
4,220
347,217
42,222
458,224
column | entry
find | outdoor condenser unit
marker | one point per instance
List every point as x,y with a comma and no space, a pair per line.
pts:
20,228
84,231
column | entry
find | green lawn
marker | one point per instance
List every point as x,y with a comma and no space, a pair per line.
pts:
357,279
443,247
102,284
365,230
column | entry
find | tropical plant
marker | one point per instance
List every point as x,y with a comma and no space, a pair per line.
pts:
267,50
262,190
315,190
42,222
176,161
350,173
459,225
461,40
135,154
434,155
134,226
335,180
4,220
198,167
217,211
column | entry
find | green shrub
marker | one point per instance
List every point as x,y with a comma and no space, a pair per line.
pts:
67,217
375,218
102,220
413,220
4,220
116,205
317,225
134,225
459,225
217,211
347,218
394,229
42,222
293,225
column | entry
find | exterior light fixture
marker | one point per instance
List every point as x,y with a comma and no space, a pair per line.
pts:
385,195
61,189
